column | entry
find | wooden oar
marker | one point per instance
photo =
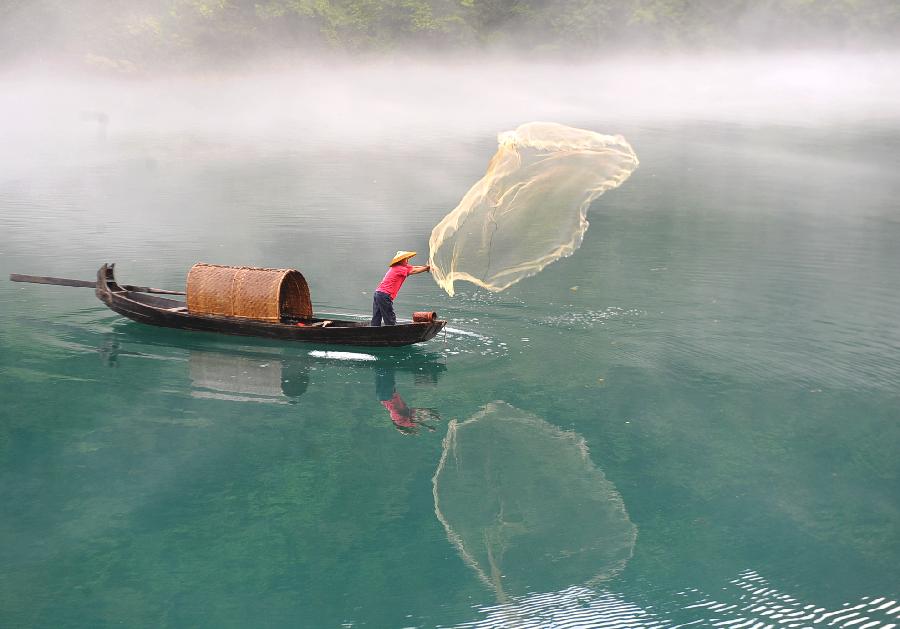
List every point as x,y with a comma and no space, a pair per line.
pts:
61,281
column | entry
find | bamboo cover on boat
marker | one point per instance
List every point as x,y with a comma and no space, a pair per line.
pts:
248,292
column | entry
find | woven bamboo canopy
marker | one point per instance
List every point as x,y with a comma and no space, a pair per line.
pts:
248,292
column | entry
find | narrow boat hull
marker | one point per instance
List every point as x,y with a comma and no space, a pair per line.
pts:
170,313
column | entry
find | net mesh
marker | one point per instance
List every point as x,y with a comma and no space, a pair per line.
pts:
522,502
530,207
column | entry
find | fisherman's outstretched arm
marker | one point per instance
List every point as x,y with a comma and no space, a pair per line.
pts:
420,269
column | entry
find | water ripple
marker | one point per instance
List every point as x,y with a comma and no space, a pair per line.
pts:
748,601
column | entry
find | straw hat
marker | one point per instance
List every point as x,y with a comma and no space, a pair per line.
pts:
401,256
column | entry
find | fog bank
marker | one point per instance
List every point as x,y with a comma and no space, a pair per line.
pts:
360,102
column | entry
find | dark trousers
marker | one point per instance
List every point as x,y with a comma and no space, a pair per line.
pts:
383,309
385,384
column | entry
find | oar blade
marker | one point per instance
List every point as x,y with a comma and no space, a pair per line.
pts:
62,281
58,281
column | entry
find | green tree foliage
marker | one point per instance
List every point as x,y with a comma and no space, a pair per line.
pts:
129,34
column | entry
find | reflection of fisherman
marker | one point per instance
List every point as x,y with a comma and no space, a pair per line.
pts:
294,381
383,302
407,420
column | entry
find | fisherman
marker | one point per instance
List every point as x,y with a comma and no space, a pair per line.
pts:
383,302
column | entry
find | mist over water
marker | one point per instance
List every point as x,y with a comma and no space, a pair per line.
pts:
375,100
723,344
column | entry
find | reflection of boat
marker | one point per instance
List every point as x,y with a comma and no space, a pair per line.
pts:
276,374
524,504
259,377
235,376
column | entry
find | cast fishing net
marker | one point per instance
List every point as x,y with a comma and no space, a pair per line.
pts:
523,504
530,207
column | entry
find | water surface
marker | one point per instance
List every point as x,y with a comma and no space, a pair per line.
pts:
719,362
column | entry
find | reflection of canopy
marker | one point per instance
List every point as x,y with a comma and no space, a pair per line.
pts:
261,294
236,374
244,378
524,504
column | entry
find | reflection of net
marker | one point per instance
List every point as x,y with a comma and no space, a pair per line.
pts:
524,505
529,208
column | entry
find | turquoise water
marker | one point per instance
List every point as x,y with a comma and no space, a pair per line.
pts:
693,420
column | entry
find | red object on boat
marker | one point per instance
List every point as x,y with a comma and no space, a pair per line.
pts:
424,317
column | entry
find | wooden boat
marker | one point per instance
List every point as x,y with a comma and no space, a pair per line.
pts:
276,306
